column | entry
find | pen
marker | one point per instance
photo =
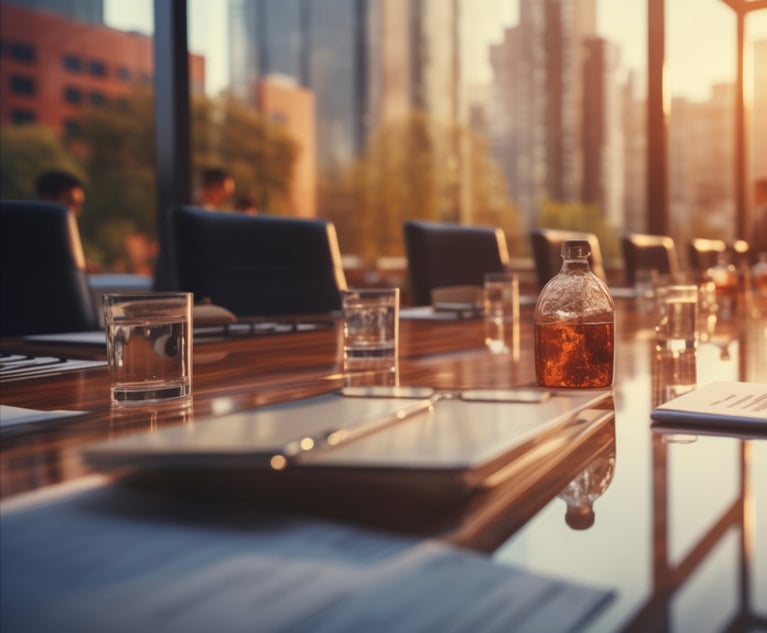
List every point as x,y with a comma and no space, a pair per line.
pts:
333,438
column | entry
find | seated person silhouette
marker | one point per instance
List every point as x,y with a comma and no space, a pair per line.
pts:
60,186
216,189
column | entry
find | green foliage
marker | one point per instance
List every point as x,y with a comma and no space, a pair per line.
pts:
120,143
413,168
25,152
116,162
258,153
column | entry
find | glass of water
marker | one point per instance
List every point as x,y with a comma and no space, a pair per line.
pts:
149,346
501,313
371,328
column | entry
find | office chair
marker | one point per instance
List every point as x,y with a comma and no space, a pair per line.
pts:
44,283
441,254
257,265
705,253
547,248
648,252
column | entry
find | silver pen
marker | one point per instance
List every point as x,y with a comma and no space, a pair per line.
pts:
291,451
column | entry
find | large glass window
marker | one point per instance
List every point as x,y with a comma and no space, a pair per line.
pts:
701,140
62,51
515,114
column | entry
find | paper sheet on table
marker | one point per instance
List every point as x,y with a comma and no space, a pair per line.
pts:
111,559
15,367
16,420
719,405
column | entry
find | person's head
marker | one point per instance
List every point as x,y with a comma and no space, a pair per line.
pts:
60,186
216,187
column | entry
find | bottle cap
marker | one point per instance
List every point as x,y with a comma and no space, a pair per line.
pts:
575,249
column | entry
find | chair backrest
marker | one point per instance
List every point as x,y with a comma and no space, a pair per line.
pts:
442,254
648,252
257,265
705,253
44,284
547,252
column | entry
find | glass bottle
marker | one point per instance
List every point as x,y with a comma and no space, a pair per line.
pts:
574,325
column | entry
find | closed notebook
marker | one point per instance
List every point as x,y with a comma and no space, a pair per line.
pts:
455,439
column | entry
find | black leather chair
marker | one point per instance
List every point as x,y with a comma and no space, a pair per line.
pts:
547,252
441,254
44,283
648,252
257,265
705,253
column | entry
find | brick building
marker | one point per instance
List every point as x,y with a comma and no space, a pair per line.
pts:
51,67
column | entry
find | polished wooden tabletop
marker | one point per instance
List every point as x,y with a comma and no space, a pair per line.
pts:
678,522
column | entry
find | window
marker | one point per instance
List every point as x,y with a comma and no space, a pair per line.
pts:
20,117
23,85
97,68
22,52
98,99
124,74
72,63
73,95
72,127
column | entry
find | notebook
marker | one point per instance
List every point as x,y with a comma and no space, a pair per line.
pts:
447,441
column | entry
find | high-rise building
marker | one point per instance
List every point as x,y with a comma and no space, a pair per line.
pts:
701,159
367,61
601,132
90,11
538,105
759,112
54,67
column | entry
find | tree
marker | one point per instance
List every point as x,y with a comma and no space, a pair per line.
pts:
413,168
578,216
259,154
25,152
118,142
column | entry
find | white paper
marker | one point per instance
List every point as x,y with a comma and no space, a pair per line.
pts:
14,367
13,420
718,404
109,559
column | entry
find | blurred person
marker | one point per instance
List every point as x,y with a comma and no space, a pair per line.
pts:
760,217
246,205
216,188
60,186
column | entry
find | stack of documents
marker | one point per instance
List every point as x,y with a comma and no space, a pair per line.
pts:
109,559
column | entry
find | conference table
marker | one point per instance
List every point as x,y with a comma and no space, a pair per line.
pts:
676,527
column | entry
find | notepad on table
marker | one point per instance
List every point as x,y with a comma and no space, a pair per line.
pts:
719,406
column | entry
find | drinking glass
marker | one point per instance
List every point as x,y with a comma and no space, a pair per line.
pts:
149,346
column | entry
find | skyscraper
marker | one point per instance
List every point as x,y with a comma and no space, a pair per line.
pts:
541,71
367,61
90,11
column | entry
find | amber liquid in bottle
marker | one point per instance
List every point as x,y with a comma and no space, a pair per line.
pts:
574,355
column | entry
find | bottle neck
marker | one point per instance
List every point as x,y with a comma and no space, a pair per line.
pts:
575,264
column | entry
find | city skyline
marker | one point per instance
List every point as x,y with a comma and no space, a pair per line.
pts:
695,66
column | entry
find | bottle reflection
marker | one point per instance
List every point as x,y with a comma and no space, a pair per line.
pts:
590,484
